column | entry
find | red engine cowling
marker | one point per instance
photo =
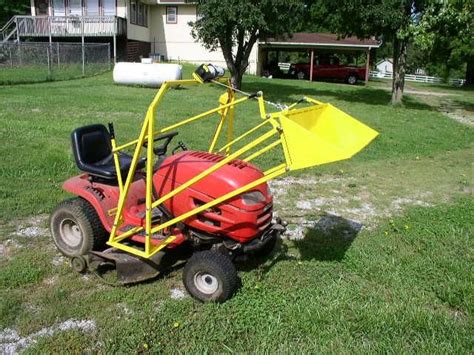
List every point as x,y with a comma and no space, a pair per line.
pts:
241,218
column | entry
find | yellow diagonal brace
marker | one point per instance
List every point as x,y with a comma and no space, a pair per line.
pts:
262,151
242,136
215,167
221,199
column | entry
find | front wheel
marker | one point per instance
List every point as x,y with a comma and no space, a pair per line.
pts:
76,228
210,276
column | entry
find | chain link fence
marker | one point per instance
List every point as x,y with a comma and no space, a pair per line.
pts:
29,62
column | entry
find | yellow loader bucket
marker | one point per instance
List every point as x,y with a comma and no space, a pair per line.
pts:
322,134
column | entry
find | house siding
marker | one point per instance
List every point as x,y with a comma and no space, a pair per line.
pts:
174,41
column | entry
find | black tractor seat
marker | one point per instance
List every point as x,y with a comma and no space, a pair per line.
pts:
93,153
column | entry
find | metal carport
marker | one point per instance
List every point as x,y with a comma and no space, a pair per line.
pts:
311,42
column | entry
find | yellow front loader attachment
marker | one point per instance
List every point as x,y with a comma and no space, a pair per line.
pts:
321,134
317,133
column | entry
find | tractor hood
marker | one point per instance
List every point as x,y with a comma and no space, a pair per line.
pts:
180,168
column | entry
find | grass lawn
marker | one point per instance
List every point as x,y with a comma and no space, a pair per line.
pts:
379,257
39,73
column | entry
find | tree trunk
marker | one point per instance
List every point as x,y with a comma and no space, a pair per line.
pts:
470,71
399,68
236,80
238,64
235,72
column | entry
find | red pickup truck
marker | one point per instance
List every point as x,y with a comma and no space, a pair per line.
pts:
328,68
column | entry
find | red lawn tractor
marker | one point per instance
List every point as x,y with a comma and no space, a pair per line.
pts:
143,213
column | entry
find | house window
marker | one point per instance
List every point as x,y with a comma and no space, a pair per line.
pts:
109,7
75,7
58,8
138,13
145,15
93,8
171,14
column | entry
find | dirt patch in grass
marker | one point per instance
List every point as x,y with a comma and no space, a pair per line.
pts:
8,247
177,293
33,227
370,193
11,342
449,106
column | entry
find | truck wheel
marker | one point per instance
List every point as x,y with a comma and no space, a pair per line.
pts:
352,79
76,228
301,75
210,276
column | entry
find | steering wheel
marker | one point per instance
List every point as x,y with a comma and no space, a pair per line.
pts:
162,149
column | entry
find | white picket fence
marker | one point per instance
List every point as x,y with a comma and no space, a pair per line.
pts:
417,78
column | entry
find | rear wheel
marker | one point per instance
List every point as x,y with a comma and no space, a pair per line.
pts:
301,75
76,228
352,79
210,276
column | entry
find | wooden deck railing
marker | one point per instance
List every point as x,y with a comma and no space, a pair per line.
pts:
70,26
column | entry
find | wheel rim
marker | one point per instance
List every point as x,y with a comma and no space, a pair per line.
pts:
78,264
352,80
70,233
206,283
300,75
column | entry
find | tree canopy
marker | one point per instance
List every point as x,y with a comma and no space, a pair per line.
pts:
235,26
9,8
446,34
391,20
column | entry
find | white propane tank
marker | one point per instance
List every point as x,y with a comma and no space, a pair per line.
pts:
152,75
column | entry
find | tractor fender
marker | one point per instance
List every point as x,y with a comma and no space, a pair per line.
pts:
102,197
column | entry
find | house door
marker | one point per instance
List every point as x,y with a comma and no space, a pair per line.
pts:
41,7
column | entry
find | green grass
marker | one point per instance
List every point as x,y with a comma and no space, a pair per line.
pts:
36,121
405,287
401,284
39,73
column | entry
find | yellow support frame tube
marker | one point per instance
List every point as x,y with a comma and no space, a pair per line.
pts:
117,164
262,151
139,143
265,178
184,122
213,168
224,116
239,138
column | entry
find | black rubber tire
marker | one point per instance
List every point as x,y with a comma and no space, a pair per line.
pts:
352,79
218,266
79,264
301,75
81,213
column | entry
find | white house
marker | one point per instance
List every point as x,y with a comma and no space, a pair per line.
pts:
139,28
385,65
135,28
